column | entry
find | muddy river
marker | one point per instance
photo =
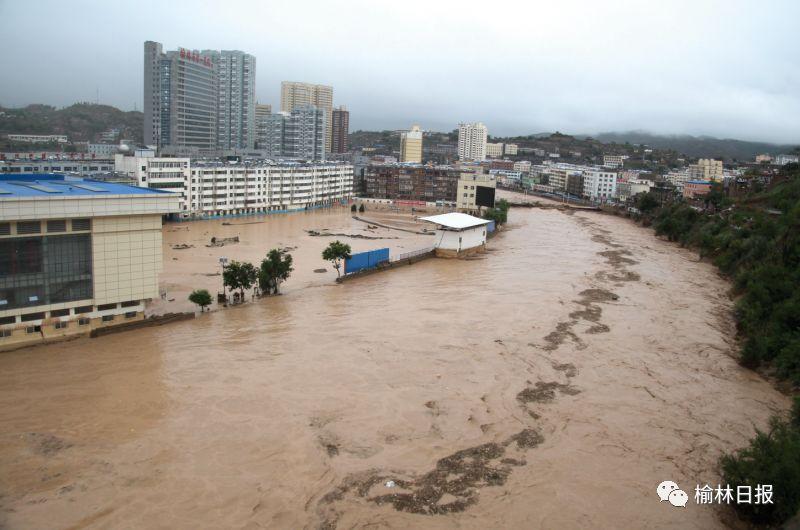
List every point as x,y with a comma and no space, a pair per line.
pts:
553,383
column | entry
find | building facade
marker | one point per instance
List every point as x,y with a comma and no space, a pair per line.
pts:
472,141
235,73
510,149
494,150
412,183
411,145
223,189
468,184
295,94
706,169
38,138
340,128
600,185
75,255
180,98
149,171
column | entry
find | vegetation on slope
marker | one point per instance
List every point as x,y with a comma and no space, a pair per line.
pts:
81,121
755,241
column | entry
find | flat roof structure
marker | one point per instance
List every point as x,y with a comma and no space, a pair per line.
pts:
455,221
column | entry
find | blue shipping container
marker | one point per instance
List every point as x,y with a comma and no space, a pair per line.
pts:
366,260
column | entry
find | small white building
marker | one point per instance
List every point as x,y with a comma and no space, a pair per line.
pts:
458,234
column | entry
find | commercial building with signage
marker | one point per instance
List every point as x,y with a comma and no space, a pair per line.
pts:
75,255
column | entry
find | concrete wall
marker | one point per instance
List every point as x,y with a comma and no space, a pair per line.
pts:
463,240
127,258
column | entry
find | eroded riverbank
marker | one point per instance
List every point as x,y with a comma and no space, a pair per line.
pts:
554,383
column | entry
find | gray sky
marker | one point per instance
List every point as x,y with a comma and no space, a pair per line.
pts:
724,68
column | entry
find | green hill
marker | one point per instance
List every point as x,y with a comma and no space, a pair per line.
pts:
81,121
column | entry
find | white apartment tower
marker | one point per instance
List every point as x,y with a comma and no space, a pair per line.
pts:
295,94
472,141
236,92
411,145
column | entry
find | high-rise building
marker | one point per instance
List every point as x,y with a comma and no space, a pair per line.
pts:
299,134
236,92
180,98
411,145
472,141
262,112
340,127
200,100
295,94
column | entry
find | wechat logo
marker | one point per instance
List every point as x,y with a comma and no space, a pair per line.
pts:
670,491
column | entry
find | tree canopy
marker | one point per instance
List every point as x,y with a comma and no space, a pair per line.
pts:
274,269
336,252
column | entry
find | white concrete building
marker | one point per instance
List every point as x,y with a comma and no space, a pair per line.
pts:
224,189
458,234
75,255
782,160
494,150
149,171
472,141
106,151
511,149
599,184
523,166
614,161
38,138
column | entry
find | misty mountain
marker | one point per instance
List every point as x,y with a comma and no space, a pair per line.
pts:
81,121
698,146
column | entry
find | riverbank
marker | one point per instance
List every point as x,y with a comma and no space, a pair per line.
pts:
561,378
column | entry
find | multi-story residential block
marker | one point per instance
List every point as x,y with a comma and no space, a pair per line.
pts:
494,150
412,183
614,161
630,188
38,138
75,255
523,166
235,73
600,184
706,169
511,149
105,151
411,145
782,160
262,112
696,188
295,94
224,189
340,129
180,98
472,141
149,171
763,159
299,134
678,178
575,184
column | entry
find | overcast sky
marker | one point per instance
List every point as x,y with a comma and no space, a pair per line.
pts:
723,68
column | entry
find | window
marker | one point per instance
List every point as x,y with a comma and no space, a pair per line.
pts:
5,333
32,316
8,320
29,227
80,225
5,229
106,307
33,329
130,314
83,321
56,226
83,309
108,318
130,303
61,325
59,313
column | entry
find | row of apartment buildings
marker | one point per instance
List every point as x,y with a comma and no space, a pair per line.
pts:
221,188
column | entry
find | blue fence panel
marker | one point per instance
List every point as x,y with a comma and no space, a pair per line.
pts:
490,227
366,260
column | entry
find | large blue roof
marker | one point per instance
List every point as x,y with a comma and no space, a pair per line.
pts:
55,185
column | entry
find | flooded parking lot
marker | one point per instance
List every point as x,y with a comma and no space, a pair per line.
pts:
552,383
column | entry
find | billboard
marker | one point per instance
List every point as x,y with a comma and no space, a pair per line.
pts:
484,196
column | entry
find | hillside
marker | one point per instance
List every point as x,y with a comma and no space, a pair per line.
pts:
698,146
81,121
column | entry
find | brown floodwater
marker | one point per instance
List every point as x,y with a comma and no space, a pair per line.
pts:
552,383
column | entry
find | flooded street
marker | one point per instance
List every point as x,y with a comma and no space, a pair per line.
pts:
553,383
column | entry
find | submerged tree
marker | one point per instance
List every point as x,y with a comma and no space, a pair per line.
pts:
200,297
336,253
275,268
239,275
